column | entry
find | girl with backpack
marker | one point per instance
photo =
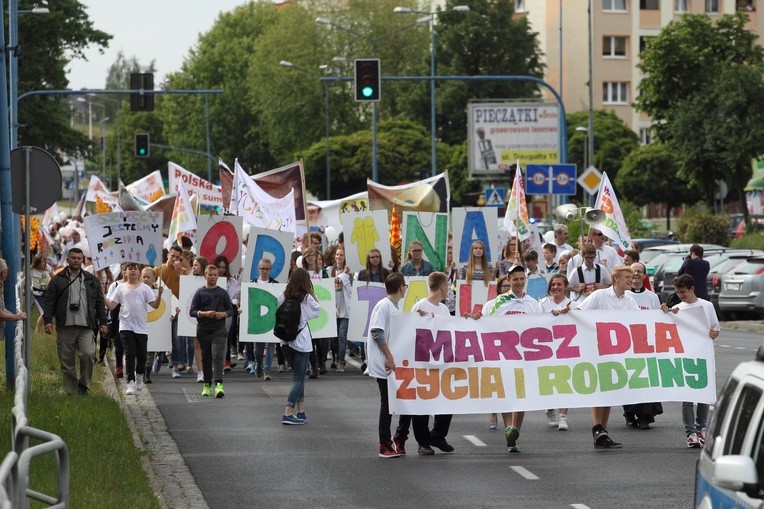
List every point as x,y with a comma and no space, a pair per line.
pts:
297,352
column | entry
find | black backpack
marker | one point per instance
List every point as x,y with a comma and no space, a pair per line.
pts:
287,325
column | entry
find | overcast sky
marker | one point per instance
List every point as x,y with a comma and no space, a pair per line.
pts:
160,30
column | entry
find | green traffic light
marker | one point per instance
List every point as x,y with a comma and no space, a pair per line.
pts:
367,91
142,151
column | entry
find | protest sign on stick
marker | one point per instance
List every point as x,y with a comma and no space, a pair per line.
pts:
131,236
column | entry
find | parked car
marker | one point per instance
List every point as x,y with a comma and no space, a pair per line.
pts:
728,473
666,273
743,288
654,257
642,244
737,225
729,260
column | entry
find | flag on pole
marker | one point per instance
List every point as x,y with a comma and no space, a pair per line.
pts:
395,232
614,227
259,208
183,218
516,219
226,184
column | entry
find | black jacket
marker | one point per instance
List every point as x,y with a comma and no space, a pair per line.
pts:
57,300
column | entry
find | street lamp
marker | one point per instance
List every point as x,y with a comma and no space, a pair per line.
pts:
290,65
582,129
103,146
430,17
13,38
119,138
90,114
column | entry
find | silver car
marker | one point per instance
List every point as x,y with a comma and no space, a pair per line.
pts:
743,288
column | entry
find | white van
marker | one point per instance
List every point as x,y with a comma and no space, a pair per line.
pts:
730,471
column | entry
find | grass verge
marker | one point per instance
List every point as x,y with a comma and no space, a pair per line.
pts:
105,466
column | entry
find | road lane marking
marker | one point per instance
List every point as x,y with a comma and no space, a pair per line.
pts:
525,473
580,506
191,398
475,441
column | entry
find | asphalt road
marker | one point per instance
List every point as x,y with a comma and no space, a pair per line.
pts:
242,456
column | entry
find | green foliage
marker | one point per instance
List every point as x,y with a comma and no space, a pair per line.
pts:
48,43
120,146
613,141
704,89
751,241
699,225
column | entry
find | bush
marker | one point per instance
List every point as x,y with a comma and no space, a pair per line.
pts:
754,241
701,226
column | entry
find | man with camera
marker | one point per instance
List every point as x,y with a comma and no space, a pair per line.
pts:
75,299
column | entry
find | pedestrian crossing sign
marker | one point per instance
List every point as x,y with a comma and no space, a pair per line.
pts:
494,197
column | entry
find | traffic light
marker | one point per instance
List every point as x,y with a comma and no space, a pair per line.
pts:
142,145
142,81
368,80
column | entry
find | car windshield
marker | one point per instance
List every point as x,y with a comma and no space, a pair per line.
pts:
649,255
673,263
750,267
726,265
657,261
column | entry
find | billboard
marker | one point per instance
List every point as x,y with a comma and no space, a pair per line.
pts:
501,133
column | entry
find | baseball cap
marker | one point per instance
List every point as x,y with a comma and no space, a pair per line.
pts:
516,268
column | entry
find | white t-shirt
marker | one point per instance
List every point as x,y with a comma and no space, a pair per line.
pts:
381,318
133,315
343,294
605,298
708,308
517,306
427,306
645,299
606,256
309,309
548,304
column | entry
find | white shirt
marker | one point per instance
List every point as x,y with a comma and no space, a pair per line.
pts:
343,294
590,276
133,315
309,309
561,248
645,299
606,256
708,308
428,307
517,306
548,304
605,298
381,318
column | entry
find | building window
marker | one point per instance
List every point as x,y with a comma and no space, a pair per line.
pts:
645,135
712,6
746,5
519,5
681,6
614,46
615,92
649,5
614,5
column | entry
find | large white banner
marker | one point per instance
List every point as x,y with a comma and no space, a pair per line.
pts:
132,236
259,302
220,235
450,365
274,245
149,188
259,208
364,231
160,326
475,223
209,193
429,228
366,296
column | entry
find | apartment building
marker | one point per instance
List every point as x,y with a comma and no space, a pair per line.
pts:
620,29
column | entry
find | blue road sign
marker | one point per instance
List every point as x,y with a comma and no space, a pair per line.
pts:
550,179
494,197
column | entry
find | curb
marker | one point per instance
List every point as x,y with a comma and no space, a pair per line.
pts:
745,325
168,474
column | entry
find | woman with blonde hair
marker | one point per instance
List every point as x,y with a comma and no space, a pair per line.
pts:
477,266
513,255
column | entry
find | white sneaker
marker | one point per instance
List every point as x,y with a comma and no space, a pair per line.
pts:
130,391
562,422
693,441
200,377
551,418
139,385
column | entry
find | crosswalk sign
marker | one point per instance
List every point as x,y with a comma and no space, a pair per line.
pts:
494,197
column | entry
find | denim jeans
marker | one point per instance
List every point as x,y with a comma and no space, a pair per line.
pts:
268,347
691,422
175,357
186,344
342,336
299,363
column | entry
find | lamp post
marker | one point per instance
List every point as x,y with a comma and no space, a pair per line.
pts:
582,129
119,139
103,146
13,71
430,17
290,65
90,114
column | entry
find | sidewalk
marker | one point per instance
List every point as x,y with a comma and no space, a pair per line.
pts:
745,325
168,474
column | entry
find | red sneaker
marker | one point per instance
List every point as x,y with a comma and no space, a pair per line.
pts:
386,451
119,372
226,367
400,445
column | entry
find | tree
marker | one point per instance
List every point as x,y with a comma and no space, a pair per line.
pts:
650,174
48,42
613,141
703,88
488,40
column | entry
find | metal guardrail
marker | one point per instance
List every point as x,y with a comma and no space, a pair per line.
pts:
14,470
